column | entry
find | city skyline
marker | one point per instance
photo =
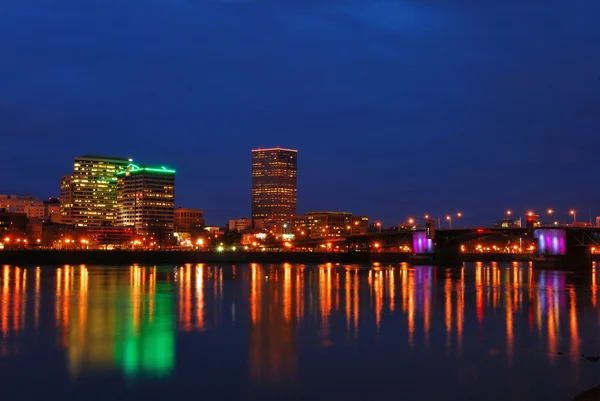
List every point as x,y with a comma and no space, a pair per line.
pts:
69,187
398,108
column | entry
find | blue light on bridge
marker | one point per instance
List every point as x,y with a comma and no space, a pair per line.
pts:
551,241
421,244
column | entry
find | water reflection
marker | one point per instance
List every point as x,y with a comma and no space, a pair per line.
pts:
13,307
126,319
115,321
273,350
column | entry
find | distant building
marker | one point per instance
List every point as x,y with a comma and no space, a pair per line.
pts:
215,232
329,224
108,235
56,234
507,222
274,187
52,210
146,200
12,223
597,221
66,199
93,190
242,224
31,206
188,220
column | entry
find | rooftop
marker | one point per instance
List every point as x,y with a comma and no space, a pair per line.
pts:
324,212
100,157
134,168
277,148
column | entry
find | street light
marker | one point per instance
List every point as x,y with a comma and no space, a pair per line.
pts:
509,212
378,224
411,221
550,211
574,214
449,218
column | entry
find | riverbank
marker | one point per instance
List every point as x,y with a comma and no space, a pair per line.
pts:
592,394
117,257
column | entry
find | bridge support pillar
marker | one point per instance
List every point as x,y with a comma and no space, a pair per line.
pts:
447,256
578,258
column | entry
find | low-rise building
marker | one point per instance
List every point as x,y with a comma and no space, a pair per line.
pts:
188,220
215,232
241,224
328,224
507,222
30,205
52,210
13,224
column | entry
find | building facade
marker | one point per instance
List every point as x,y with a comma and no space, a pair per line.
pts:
89,195
507,222
188,220
66,199
329,224
146,200
29,205
240,224
274,187
52,210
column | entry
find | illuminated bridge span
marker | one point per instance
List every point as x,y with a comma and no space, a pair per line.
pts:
416,241
561,244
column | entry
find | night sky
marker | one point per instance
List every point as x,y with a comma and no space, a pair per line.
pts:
398,108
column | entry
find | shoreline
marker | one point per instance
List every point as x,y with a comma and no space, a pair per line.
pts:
592,394
120,257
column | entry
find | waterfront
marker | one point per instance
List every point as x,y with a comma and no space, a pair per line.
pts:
307,332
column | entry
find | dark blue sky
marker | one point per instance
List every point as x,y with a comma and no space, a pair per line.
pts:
398,108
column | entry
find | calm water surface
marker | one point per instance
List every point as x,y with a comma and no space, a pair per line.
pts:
295,332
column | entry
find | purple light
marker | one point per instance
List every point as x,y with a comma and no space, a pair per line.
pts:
551,241
421,244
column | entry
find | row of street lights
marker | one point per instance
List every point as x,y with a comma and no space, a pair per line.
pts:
411,221
550,212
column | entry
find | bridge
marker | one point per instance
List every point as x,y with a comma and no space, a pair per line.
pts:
558,245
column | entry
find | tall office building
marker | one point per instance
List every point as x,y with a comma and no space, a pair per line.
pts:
274,187
146,199
66,199
93,190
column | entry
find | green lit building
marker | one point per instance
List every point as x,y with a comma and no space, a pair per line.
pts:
89,195
146,200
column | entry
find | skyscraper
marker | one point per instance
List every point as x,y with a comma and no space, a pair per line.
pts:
274,187
93,189
146,199
66,199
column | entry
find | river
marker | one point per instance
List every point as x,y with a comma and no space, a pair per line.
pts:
297,332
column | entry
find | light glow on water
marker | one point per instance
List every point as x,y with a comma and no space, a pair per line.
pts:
283,324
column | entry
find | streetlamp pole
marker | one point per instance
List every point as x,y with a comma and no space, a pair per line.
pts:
574,214
449,218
